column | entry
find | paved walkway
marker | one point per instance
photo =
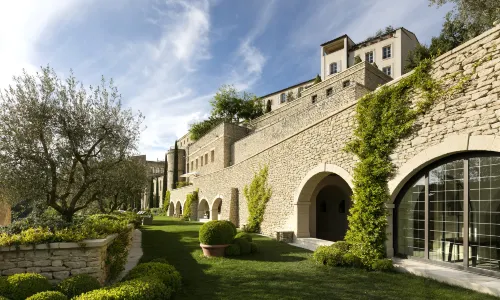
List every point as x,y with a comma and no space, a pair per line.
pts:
480,283
134,254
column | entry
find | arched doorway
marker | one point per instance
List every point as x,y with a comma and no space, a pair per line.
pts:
178,209
323,203
171,208
203,210
216,209
449,213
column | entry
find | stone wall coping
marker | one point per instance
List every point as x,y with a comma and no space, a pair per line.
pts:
94,243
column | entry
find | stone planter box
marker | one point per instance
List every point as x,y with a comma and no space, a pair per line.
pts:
147,220
58,261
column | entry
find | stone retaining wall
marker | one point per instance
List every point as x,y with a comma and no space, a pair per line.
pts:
58,261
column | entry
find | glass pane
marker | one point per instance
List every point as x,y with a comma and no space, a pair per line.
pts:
446,196
484,216
411,225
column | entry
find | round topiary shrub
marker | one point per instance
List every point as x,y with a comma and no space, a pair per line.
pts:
229,223
166,273
4,286
244,235
253,247
233,250
77,285
48,295
217,233
23,285
136,289
245,247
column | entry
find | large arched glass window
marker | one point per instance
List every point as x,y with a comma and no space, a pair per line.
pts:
450,212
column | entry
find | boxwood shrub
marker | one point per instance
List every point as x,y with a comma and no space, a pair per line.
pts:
164,272
77,285
23,285
136,289
217,233
253,247
4,286
244,235
245,247
48,295
3,298
382,265
333,255
233,250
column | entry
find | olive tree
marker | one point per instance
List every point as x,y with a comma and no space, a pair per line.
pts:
58,140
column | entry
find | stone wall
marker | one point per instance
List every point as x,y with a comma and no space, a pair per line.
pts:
57,261
318,146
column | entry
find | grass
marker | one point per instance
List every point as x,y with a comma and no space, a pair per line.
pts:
278,271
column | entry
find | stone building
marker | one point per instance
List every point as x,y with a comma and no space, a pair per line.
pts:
445,195
156,175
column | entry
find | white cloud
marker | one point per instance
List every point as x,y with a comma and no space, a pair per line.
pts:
23,24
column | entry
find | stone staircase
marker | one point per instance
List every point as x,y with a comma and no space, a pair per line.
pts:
310,243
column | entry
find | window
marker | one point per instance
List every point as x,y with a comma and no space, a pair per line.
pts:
387,70
201,161
329,92
346,83
300,92
196,163
369,57
462,196
283,98
192,166
333,68
386,52
313,98
206,158
212,154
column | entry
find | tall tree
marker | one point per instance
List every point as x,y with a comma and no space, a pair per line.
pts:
58,140
176,166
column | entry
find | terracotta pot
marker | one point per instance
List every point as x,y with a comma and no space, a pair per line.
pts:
213,250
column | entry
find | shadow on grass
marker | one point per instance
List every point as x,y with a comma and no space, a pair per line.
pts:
177,248
272,251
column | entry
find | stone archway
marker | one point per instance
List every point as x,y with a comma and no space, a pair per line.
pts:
216,209
322,203
178,209
203,210
171,209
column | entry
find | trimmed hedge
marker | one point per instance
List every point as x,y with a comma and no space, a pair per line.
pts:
136,289
233,250
166,273
77,285
3,298
244,245
4,286
48,295
244,235
217,233
253,248
23,285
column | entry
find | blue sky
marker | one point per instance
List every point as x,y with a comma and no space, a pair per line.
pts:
168,58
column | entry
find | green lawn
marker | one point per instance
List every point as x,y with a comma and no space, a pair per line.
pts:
278,271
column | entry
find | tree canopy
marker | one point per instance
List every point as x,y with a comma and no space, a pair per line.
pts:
58,140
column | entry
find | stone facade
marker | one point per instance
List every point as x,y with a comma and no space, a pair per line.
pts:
57,261
303,143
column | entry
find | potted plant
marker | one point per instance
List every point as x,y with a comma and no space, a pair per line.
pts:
215,236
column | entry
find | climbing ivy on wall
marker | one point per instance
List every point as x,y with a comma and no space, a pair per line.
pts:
166,202
257,195
383,119
190,199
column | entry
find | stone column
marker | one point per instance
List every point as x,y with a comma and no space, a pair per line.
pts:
302,213
234,207
389,245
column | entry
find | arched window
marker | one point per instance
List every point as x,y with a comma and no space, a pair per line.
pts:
282,98
450,212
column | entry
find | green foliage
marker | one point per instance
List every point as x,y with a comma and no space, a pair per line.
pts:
257,195
116,254
4,286
382,265
230,224
290,96
199,129
244,245
176,166
163,271
23,285
244,235
166,202
333,255
48,295
136,289
253,247
357,59
233,250
317,79
186,214
77,285
181,184
217,233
